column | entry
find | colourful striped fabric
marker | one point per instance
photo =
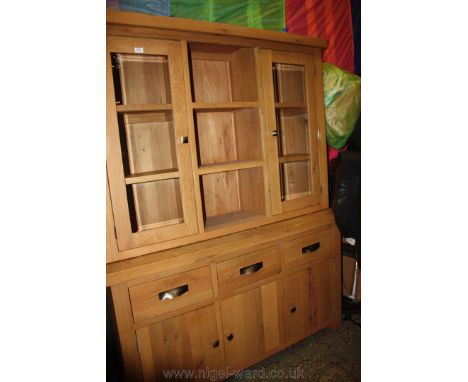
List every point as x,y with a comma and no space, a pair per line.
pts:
329,19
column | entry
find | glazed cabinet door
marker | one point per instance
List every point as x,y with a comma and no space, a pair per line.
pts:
188,342
251,324
309,300
148,155
294,119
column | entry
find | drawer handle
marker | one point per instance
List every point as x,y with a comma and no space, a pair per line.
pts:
230,337
251,268
173,293
310,248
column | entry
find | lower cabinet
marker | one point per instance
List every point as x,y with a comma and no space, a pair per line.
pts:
186,342
307,300
251,324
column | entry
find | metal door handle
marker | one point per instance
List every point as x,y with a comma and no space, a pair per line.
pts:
251,268
311,248
173,293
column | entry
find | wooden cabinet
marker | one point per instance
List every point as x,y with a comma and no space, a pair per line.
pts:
189,341
251,324
221,248
307,297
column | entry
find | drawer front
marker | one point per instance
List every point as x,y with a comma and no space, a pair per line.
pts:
235,273
308,249
165,295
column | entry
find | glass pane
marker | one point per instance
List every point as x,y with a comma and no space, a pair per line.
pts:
155,204
295,180
293,128
289,82
141,79
148,142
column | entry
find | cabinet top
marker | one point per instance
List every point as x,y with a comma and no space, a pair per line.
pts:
178,25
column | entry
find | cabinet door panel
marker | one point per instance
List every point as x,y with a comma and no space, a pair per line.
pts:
251,324
308,300
148,162
184,342
293,125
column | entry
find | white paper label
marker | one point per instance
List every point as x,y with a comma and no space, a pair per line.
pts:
139,50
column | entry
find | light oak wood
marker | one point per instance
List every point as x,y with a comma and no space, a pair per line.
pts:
111,242
308,249
207,106
147,303
294,185
144,79
179,344
194,175
229,272
247,330
152,177
228,166
151,224
144,107
231,192
214,29
175,260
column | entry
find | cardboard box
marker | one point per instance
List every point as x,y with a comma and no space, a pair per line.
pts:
351,278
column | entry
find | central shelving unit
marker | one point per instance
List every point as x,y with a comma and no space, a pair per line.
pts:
228,130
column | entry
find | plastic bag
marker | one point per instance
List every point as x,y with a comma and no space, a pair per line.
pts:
342,93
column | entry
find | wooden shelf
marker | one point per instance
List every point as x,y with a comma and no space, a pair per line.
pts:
228,166
144,107
216,222
294,158
290,105
152,176
223,105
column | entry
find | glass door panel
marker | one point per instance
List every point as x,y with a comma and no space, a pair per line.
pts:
148,142
155,204
150,173
289,82
141,79
293,146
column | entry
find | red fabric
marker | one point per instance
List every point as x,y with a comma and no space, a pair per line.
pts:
329,19
333,153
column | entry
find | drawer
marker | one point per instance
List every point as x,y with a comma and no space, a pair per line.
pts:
312,248
237,272
165,295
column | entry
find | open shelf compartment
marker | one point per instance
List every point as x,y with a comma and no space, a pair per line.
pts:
228,135
223,73
232,197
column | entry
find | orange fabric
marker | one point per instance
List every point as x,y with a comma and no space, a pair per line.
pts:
329,19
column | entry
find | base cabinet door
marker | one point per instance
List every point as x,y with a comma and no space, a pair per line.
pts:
183,344
307,300
251,324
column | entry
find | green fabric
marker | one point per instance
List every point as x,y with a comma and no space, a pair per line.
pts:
342,93
261,14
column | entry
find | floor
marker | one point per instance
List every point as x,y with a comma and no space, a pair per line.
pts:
327,356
